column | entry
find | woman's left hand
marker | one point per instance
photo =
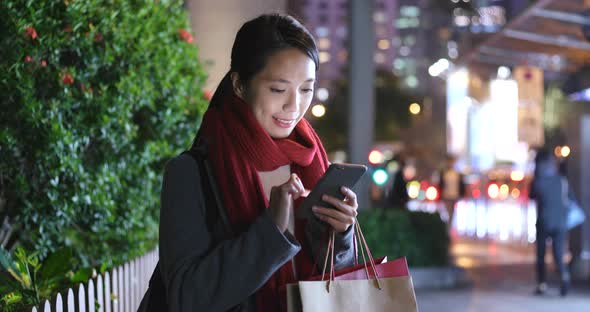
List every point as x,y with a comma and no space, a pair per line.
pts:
345,213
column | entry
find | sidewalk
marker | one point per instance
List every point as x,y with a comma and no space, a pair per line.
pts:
503,279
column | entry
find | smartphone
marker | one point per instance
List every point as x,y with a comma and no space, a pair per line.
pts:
334,178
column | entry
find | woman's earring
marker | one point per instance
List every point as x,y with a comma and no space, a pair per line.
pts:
239,92
237,86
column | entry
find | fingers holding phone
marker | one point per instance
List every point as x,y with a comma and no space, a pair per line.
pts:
344,214
281,201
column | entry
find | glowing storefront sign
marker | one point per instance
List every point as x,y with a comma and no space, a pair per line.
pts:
458,104
504,101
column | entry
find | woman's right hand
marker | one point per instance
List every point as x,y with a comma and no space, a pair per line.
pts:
281,201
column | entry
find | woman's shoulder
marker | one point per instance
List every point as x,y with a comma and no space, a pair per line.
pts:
181,165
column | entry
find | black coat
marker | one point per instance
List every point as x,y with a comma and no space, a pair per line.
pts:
204,271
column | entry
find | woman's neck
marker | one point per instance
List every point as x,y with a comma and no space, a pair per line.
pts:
268,179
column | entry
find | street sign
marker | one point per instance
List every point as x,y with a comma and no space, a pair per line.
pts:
530,109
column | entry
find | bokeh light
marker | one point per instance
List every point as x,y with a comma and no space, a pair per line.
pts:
318,110
415,108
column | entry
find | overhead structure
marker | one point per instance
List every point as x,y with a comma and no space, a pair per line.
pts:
548,35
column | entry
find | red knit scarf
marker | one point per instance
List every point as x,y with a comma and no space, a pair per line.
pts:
239,148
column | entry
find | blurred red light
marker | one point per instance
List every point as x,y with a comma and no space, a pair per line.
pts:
424,184
476,193
375,157
431,193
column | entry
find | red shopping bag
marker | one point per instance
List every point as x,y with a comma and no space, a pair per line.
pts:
345,271
395,268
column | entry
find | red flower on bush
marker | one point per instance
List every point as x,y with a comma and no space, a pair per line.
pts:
43,63
28,59
67,79
98,37
185,35
31,32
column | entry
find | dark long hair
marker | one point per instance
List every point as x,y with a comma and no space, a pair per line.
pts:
256,41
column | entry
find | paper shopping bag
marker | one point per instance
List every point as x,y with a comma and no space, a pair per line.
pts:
384,287
396,294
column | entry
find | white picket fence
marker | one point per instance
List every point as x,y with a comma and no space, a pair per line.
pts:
119,290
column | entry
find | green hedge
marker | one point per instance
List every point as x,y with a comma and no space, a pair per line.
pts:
419,236
96,96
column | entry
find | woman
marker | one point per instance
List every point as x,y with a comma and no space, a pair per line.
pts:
264,155
547,190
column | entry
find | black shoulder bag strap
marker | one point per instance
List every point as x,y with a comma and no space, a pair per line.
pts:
214,209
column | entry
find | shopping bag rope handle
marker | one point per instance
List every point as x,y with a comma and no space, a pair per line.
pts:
364,246
329,254
370,256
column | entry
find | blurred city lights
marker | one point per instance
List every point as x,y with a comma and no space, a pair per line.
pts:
375,157
557,151
388,154
324,43
380,177
431,193
508,221
565,151
459,78
493,191
476,193
439,67
504,99
383,44
415,108
413,189
318,110
462,20
583,95
324,57
322,94
421,195
322,31
515,193
503,72
504,191
517,176
404,51
412,81
453,53
409,172
392,166
379,58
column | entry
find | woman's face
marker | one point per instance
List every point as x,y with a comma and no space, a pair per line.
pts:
281,93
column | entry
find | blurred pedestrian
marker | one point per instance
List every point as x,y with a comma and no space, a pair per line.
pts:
451,186
547,189
398,196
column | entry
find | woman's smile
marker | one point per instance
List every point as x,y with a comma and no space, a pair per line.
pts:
284,123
